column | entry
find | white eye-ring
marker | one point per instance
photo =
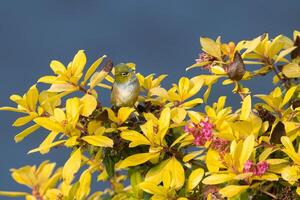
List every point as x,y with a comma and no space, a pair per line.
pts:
124,73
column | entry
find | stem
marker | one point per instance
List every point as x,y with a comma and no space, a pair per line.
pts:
269,194
282,79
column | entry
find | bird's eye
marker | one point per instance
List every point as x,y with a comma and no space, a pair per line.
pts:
124,73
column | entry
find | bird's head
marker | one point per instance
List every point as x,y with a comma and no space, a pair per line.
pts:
123,73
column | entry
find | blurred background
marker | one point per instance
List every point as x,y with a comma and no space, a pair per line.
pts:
161,37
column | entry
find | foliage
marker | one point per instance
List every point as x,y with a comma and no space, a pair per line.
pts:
164,147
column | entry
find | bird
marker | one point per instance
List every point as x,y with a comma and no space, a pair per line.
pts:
126,87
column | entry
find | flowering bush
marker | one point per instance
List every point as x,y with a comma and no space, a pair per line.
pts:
164,147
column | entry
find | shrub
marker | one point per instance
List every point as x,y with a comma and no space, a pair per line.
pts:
164,147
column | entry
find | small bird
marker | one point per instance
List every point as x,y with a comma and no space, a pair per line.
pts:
126,88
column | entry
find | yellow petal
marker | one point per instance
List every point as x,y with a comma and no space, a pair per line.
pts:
232,190
135,137
98,140
19,137
88,105
246,108
72,166
194,178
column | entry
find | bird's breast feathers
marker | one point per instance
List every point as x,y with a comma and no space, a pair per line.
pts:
125,94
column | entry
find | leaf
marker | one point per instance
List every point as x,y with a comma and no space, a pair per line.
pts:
288,95
291,70
236,69
232,190
177,173
194,179
66,87
13,194
291,174
178,114
78,63
124,113
23,120
45,148
211,47
289,149
213,160
135,137
246,108
32,97
153,189
98,140
49,124
277,133
6,108
47,142
284,53
84,185
88,105
275,47
192,103
72,166
135,160
93,68
99,76
19,137
57,67
164,122
135,180
217,179
247,149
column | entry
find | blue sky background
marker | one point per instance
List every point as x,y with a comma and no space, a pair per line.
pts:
159,36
